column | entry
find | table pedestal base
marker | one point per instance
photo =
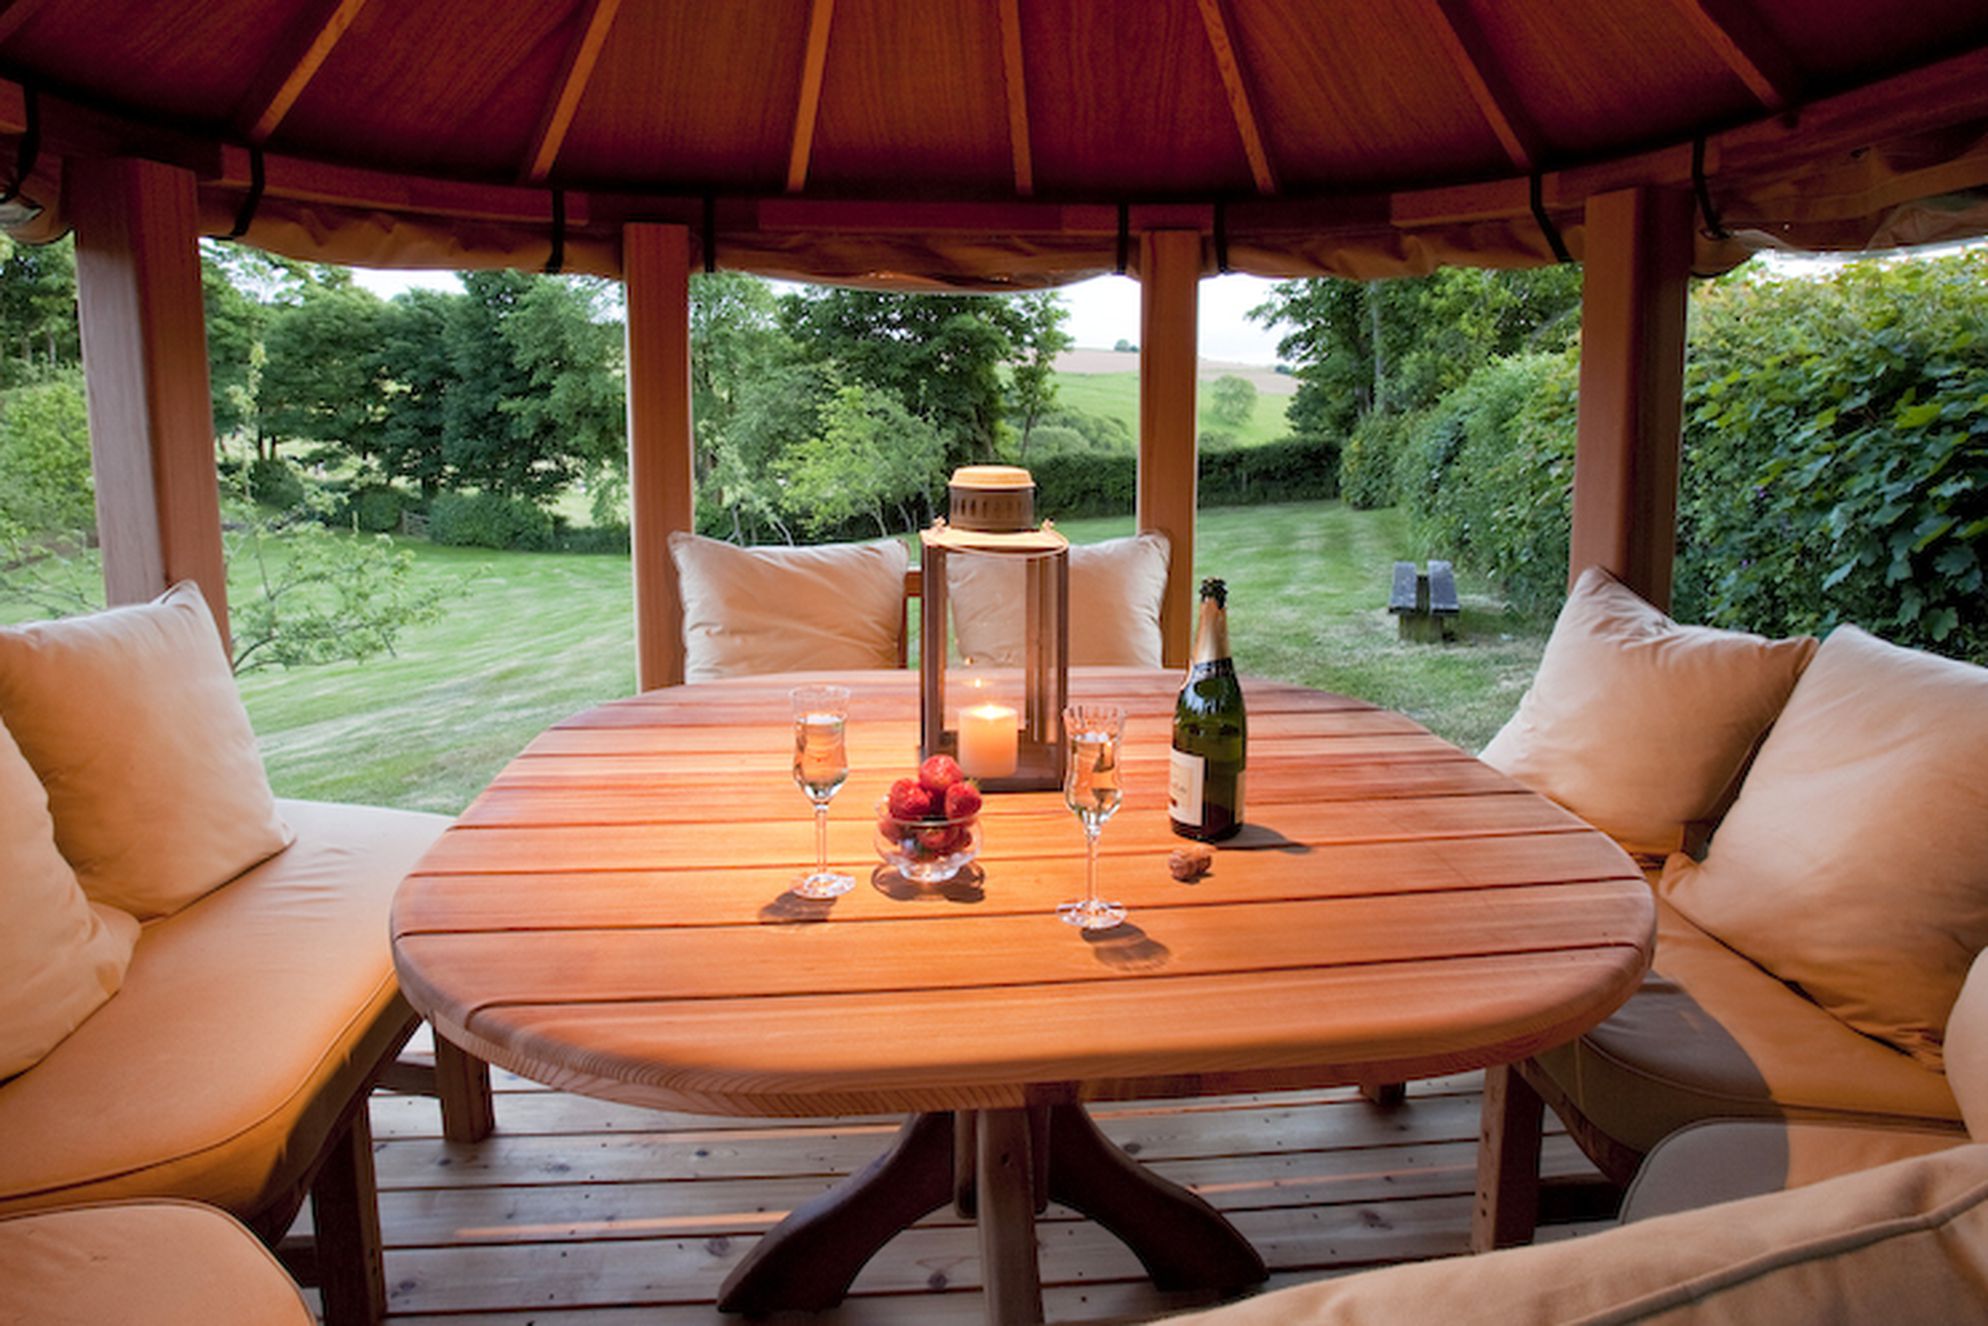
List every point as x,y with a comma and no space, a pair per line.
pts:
1006,1165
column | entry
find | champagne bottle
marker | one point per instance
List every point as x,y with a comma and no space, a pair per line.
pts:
1210,734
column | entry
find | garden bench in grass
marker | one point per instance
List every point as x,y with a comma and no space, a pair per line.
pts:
1425,603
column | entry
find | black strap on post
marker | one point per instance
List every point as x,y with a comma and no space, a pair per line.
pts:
1222,237
1124,237
1714,228
557,262
245,215
710,233
30,149
1546,226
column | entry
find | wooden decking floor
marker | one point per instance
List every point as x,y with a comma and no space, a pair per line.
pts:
583,1213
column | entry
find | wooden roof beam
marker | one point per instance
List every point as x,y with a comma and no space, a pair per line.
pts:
1018,98
1215,18
298,58
16,14
1496,99
1735,31
596,17
812,68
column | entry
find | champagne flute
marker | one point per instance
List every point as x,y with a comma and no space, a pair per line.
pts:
821,765
1091,790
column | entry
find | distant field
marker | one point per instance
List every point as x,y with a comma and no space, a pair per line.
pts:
1116,395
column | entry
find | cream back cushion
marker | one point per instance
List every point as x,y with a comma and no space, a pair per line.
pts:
60,955
754,610
1906,1242
1115,591
1966,1050
1855,862
1640,725
132,721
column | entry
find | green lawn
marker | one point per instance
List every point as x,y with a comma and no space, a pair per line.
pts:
1116,396
532,637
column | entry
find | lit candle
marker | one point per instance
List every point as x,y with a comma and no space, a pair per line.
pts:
987,738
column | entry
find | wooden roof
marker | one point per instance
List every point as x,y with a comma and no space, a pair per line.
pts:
1102,102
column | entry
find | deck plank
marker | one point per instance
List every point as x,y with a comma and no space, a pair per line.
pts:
581,1212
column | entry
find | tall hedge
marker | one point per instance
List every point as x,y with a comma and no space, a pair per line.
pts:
1835,458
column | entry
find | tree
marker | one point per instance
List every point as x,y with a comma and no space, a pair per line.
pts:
414,373
566,407
318,381
940,355
871,458
37,308
1231,400
235,351
46,495
1032,383
1396,346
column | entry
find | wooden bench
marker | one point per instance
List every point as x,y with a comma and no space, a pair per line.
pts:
1424,604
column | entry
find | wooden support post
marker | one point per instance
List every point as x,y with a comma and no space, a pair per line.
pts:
1005,1210
144,331
345,1214
1637,271
462,1085
1508,1140
1169,281
655,264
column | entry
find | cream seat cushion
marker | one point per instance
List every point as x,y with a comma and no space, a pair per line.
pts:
1729,1159
245,1024
153,1263
1904,1243
60,955
1116,588
1854,863
1710,1035
754,610
132,721
1640,725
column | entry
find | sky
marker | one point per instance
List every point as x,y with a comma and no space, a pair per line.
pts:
1102,311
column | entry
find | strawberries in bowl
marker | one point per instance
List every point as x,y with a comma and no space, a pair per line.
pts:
928,827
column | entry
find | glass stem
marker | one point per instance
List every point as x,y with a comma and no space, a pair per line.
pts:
821,837
1091,867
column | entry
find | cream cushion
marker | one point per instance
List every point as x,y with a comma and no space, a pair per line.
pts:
754,610
1854,863
132,720
1729,1159
1907,1242
1640,725
1115,592
153,1263
60,955
247,1022
1710,1035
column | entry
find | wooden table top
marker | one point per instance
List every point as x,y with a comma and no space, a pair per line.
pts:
610,917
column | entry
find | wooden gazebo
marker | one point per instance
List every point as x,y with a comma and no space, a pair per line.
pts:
988,145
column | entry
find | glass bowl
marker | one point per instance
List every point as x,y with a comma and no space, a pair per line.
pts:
927,851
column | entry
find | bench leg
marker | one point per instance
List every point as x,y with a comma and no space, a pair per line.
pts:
1387,1095
345,1211
462,1082
1507,1161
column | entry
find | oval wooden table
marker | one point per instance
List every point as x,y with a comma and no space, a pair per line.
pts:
610,917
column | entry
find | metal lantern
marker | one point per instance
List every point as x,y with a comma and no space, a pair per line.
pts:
994,651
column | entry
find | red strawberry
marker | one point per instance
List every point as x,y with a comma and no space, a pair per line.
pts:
962,801
943,841
939,773
911,801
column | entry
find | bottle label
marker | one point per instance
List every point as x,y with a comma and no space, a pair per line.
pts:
1186,775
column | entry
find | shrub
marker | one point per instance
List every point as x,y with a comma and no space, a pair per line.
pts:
275,482
374,508
1367,462
487,520
45,490
1292,470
